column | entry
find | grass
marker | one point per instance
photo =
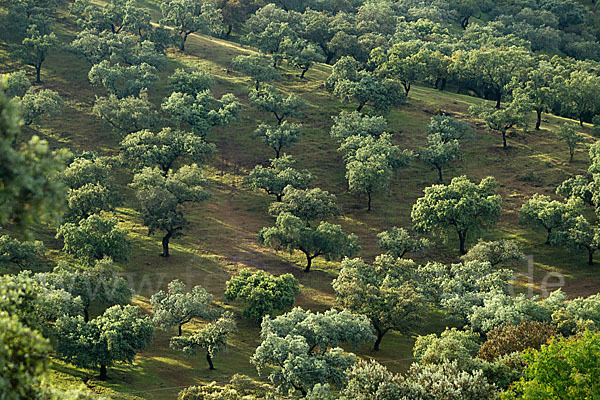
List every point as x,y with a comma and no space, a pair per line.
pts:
221,237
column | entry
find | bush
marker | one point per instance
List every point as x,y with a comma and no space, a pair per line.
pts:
511,338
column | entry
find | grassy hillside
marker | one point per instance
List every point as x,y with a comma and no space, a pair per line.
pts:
222,236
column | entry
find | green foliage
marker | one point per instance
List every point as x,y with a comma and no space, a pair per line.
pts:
123,80
348,124
568,134
280,174
257,66
279,136
351,84
307,204
398,241
462,206
579,89
301,348
23,359
98,284
115,336
381,292
114,16
510,339
576,234
292,233
264,294
94,238
578,186
502,119
577,315
542,212
16,84
301,54
28,188
127,115
190,81
564,368
212,338
164,148
40,103
202,111
271,100
240,387
162,198
499,252
448,128
176,308
22,254
452,345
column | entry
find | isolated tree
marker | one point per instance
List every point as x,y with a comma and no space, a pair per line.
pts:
449,346
94,238
263,293
307,204
23,254
164,149
448,128
498,252
212,338
190,16
381,292
398,241
113,16
568,134
301,348
301,54
371,163
501,120
439,154
93,46
400,63
542,212
271,100
40,103
348,124
176,307
292,233
279,136
16,84
162,198
34,49
257,66
239,386
127,115
580,187
84,170
97,284
578,234
539,89
190,81
203,111
550,370
461,206
351,84
123,81
280,174
115,336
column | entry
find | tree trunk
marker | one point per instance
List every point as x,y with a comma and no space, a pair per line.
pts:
498,100
210,363
406,87
38,73
571,154
440,176
279,198
504,145
539,120
277,152
464,22
229,29
103,375
329,58
548,237
379,339
257,85
179,329
443,84
303,73
581,120
182,45
369,202
462,239
590,257
360,107
86,314
308,263
165,244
